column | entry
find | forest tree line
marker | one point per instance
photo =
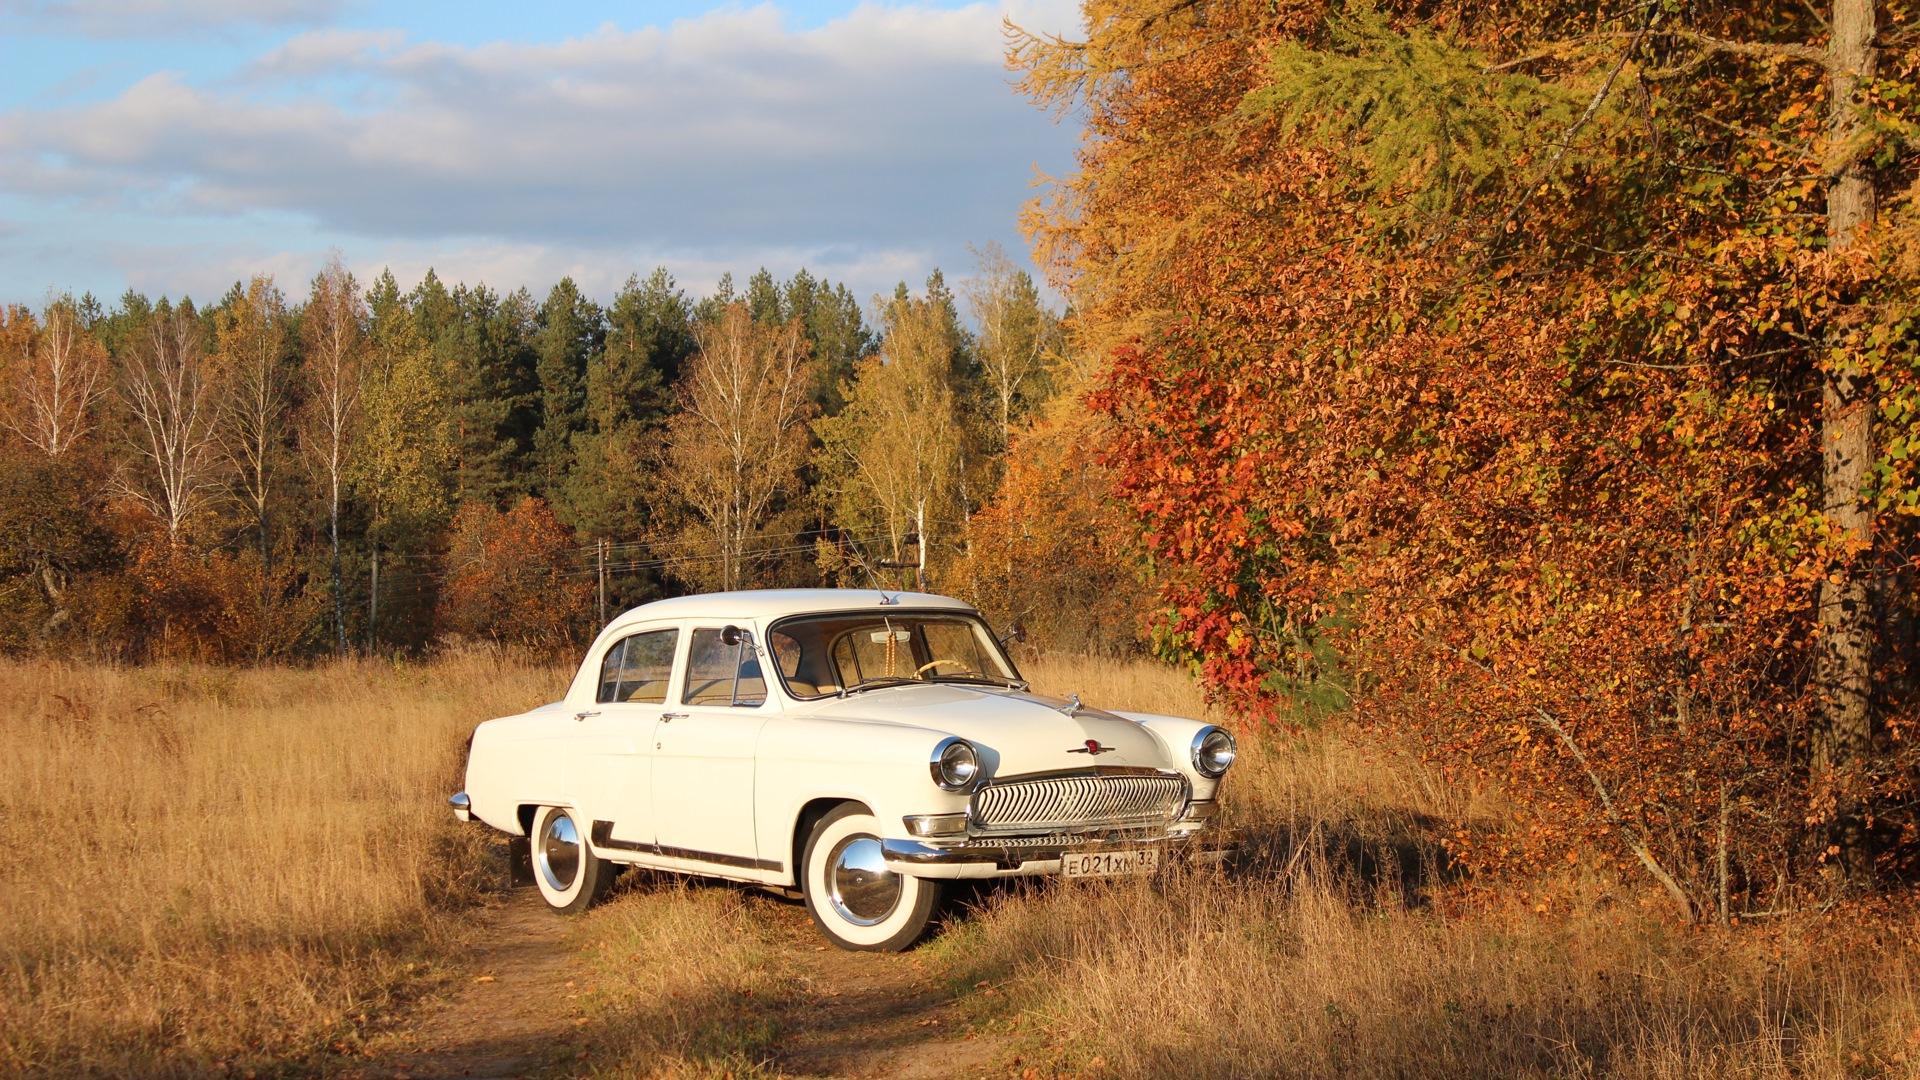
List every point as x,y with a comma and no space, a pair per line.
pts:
366,468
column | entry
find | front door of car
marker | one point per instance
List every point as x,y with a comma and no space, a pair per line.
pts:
703,759
635,676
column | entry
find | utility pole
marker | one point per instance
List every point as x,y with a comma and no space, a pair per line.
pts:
600,548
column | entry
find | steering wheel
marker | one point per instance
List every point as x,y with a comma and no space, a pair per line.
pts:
931,664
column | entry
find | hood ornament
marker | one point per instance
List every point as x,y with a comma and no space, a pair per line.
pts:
1072,707
1092,749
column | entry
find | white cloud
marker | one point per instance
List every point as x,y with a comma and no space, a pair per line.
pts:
138,18
887,136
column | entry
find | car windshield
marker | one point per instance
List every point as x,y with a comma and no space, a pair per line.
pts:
822,655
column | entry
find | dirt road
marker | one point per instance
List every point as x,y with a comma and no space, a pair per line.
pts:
516,1013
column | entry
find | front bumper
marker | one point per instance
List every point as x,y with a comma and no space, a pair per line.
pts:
985,858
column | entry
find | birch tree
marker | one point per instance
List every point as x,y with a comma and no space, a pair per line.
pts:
335,332
895,456
736,448
169,397
252,348
58,375
1015,332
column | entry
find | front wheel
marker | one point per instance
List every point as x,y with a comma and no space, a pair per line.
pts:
570,876
855,900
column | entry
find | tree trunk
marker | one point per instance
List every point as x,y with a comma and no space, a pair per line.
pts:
373,604
920,549
339,595
1845,672
263,642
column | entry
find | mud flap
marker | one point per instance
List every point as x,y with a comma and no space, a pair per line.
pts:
519,862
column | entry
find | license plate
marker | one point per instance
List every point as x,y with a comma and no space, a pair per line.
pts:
1109,863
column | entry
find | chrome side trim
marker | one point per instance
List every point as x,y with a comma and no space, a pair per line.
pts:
603,838
1083,770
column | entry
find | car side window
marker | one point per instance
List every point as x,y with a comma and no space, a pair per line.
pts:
723,674
647,666
610,672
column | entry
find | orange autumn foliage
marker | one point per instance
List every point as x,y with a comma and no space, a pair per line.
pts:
1051,550
511,577
1529,465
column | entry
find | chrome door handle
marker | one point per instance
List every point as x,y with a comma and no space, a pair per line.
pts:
670,717
584,715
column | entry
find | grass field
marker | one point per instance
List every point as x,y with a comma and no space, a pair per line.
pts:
250,868
208,865
1322,954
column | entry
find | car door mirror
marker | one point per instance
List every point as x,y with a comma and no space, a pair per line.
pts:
1016,632
730,635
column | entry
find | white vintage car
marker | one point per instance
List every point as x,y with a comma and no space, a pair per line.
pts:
859,747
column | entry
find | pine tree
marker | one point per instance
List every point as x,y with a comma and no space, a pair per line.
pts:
649,338
571,332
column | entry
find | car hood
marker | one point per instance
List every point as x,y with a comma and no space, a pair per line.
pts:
1015,731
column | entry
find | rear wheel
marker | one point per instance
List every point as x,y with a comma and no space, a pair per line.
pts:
571,878
854,899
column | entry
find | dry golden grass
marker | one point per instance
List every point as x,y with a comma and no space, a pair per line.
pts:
209,865
1317,955
212,865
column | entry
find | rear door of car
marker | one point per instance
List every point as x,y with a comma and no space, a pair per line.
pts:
634,689
703,759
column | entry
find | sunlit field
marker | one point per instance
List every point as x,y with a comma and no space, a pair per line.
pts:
1340,944
214,870
212,865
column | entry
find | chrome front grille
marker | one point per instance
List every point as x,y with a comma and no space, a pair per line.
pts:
1079,801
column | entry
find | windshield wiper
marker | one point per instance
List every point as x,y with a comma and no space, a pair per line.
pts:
983,679
876,684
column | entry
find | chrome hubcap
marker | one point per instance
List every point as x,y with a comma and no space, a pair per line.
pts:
860,887
559,852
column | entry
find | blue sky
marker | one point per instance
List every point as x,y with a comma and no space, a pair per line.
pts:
175,146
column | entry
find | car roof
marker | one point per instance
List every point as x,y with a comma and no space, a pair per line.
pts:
775,603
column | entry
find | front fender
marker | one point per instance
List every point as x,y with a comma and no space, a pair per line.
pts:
883,766
1176,735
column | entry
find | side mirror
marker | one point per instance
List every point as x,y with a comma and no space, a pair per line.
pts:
730,635
1016,632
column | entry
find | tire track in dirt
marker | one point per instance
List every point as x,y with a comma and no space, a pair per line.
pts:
511,1017
872,1015
852,1015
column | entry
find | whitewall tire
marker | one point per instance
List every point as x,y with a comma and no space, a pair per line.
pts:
856,901
571,878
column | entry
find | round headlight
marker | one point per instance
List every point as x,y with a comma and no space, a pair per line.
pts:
1213,750
956,765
